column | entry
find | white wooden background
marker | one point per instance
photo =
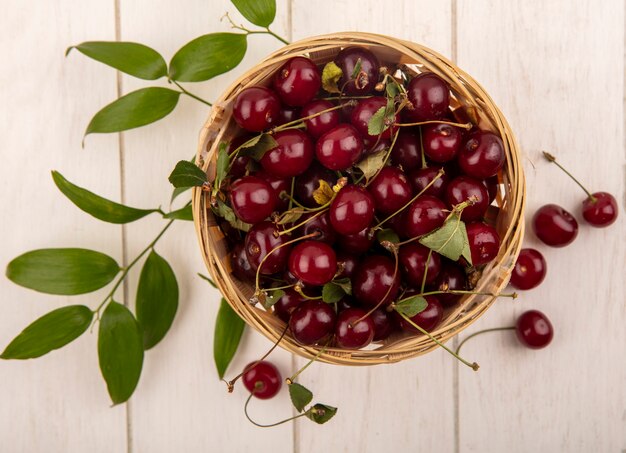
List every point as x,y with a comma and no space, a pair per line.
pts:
556,68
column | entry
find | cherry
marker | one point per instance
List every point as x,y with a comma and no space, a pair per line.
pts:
482,155
530,269
352,210
354,330
287,303
464,188
413,258
424,215
430,97
239,167
492,184
256,109
232,235
312,321
262,379
291,157
279,185
451,277
373,279
309,181
600,210
313,262
427,319
554,226
356,243
484,242
390,190
320,124
534,329
383,326
421,177
366,79
398,224
364,111
260,241
373,146
240,265
252,199
339,148
288,115
297,81
441,142
317,223
407,151
347,264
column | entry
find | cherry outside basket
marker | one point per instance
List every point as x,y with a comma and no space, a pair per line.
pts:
507,211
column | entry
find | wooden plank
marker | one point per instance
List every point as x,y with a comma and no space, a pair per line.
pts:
180,404
57,403
402,406
556,69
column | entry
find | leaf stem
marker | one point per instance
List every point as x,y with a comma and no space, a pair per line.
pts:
481,332
280,38
267,30
552,159
245,411
184,91
292,379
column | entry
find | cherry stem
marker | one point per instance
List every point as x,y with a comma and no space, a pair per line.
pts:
295,227
245,411
474,366
552,159
304,118
424,164
481,332
292,379
298,289
382,165
430,254
466,126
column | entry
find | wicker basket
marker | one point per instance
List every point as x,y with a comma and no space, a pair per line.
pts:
508,214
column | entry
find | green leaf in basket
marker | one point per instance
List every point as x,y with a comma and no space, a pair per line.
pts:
300,396
372,163
382,119
388,235
66,271
228,330
208,56
135,109
52,331
335,290
226,212
411,306
223,162
257,146
97,206
331,75
187,174
120,351
157,299
129,57
258,12
449,240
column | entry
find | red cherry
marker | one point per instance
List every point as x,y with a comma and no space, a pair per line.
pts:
309,181
288,115
555,226
240,264
427,319
372,280
339,148
464,188
363,112
262,239
320,124
351,334
367,78
256,109
425,215
441,142
601,210
279,185
291,157
534,329
252,199
413,258
451,278
287,303
313,262
312,322
390,190
530,269
383,326
357,243
421,177
484,242
352,210
262,379
482,155
317,223
407,151
430,97
297,81
347,263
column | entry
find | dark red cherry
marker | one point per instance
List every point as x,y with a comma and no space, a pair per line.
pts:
534,329
601,210
347,263
256,109
373,146
312,321
464,188
262,379
482,154
484,242
240,264
279,185
366,79
320,124
262,239
424,215
253,199
354,330
317,223
309,181
345,303
297,81
373,279
421,177
288,115
492,184
383,325
555,226
339,148
530,269
430,97
357,243
287,303
413,258
390,189
291,157
232,234
441,142
240,166
352,210
451,277
398,224
363,112
313,262
427,319
407,151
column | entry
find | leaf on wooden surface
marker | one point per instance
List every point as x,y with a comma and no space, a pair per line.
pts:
300,396
321,413
258,12
186,175
184,213
228,330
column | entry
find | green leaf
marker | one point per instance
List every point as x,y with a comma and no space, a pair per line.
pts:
120,351
392,89
184,213
271,297
371,164
345,284
135,109
321,413
208,56
356,70
226,212
228,330
66,271
97,206
290,216
178,191
388,235
258,12
211,282
449,240
257,146
382,119
300,396
186,175
52,331
129,57
332,292
223,162
157,299
411,306
331,74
